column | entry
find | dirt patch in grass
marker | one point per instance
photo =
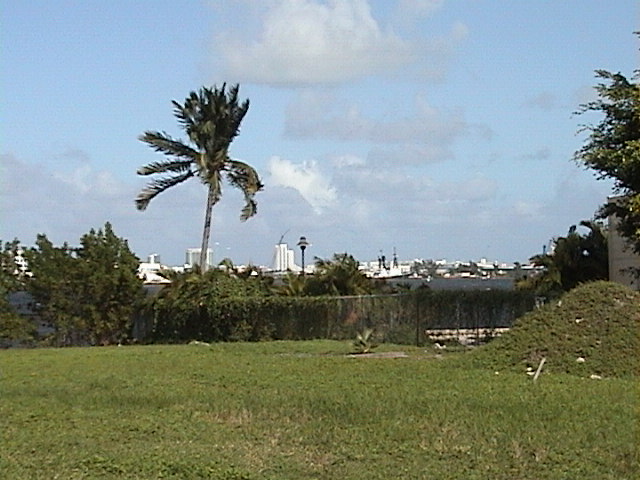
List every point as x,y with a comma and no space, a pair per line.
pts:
593,330
379,355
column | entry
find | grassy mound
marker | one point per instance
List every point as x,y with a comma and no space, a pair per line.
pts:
592,330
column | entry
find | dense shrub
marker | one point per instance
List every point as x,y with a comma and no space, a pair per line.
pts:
14,329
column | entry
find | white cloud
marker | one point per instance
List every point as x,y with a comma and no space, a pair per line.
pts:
424,135
317,114
348,161
306,178
307,42
84,180
408,154
416,8
403,201
476,189
528,209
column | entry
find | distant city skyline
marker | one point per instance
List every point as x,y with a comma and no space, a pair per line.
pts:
289,259
443,129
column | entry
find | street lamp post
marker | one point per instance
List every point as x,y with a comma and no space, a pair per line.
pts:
303,244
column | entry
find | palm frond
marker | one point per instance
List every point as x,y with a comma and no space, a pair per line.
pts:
250,208
237,115
187,114
163,143
158,186
234,114
232,96
245,177
177,166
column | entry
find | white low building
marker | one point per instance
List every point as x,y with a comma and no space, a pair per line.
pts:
149,271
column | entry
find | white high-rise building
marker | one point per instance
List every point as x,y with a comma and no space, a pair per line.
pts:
284,259
192,257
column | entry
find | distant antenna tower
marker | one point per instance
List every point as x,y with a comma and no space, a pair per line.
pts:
282,236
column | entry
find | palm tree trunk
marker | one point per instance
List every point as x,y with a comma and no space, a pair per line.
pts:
206,231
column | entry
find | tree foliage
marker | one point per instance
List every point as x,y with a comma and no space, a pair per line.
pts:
339,276
197,302
53,285
13,327
87,294
194,287
575,259
211,119
613,148
294,285
10,274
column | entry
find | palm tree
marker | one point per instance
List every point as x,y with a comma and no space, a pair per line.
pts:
576,259
295,285
339,276
211,118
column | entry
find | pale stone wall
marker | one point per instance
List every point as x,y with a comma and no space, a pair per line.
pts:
621,258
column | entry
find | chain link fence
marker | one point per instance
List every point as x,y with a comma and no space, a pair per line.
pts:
415,317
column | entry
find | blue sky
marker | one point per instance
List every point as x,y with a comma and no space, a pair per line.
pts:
442,128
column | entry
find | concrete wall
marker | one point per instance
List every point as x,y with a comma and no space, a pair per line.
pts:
621,258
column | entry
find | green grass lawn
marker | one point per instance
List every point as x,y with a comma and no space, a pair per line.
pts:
303,410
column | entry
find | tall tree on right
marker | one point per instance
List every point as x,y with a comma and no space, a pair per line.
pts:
613,148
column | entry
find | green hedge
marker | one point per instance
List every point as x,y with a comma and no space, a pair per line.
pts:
395,318
242,319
